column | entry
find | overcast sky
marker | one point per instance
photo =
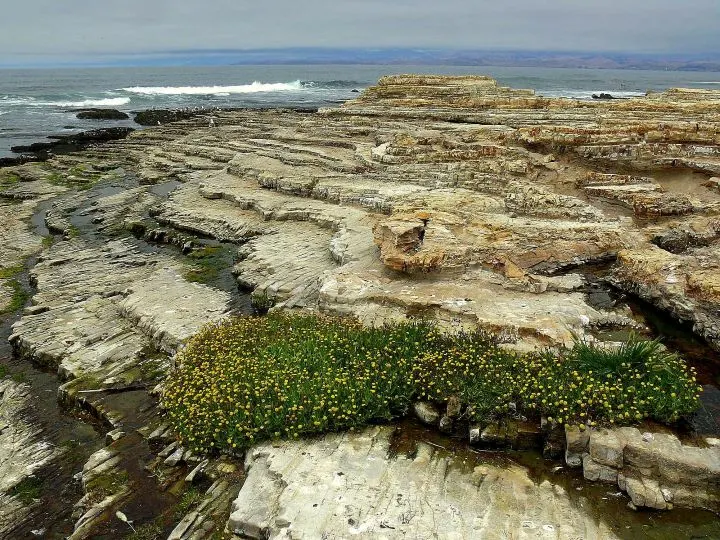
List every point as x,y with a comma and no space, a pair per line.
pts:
71,29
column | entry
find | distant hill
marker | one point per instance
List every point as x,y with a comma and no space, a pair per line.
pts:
400,56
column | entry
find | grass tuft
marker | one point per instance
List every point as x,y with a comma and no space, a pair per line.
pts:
149,531
207,263
28,490
20,295
261,302
189,500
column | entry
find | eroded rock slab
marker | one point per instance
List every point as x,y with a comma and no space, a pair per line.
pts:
346,486
23,451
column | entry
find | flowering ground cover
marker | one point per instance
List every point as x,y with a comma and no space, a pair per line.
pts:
287,375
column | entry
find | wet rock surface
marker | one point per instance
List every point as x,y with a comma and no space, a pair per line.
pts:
72,143
346,485
447,198
101,114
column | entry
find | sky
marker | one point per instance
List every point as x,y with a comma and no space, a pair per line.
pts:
77,30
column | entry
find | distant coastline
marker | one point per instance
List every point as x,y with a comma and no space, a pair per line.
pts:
698,62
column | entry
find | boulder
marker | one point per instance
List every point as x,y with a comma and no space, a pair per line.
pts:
596,472
156,117
446,424
427,413
454,407
606,448
474,433
713,183
576,444
645,492
345,486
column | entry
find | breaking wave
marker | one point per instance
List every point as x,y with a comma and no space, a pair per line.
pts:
107,102
585,94
216,90
16,100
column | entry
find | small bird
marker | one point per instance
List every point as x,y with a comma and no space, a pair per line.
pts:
122,517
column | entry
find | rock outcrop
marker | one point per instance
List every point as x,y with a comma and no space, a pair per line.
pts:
101,114
72,143
348,485
23,451
655,469
452,199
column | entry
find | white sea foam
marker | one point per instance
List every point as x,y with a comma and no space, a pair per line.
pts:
705,82
15,100
586,94
107,102
215,90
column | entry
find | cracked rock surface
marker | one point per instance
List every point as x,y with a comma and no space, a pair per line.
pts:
447,198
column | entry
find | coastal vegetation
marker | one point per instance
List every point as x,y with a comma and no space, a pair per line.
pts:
19,294
8,180
207,262
287,375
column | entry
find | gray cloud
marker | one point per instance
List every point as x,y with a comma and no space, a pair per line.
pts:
75,28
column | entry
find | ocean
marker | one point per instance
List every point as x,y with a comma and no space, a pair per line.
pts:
35,103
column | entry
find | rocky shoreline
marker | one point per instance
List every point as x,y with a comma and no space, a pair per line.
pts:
446,198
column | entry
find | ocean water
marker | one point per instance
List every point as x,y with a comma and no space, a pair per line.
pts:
35,103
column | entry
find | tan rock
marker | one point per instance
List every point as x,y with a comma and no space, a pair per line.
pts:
576,445
645,492
598,473
427,413
606,448
404,496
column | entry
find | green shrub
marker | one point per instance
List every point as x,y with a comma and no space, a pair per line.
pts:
286,375
261,302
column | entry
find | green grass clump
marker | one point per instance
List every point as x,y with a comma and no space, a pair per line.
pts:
207,263
10,271
287,375
8,180
189,500
149,531
28,490
20,295
261,302
586,385
76,178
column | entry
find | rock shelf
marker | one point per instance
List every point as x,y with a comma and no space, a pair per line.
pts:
449,198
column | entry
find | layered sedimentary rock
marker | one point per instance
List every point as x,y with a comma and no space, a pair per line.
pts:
431,195
348,485
655,469
446,198
23,451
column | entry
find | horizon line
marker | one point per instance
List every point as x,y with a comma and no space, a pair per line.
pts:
415,55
